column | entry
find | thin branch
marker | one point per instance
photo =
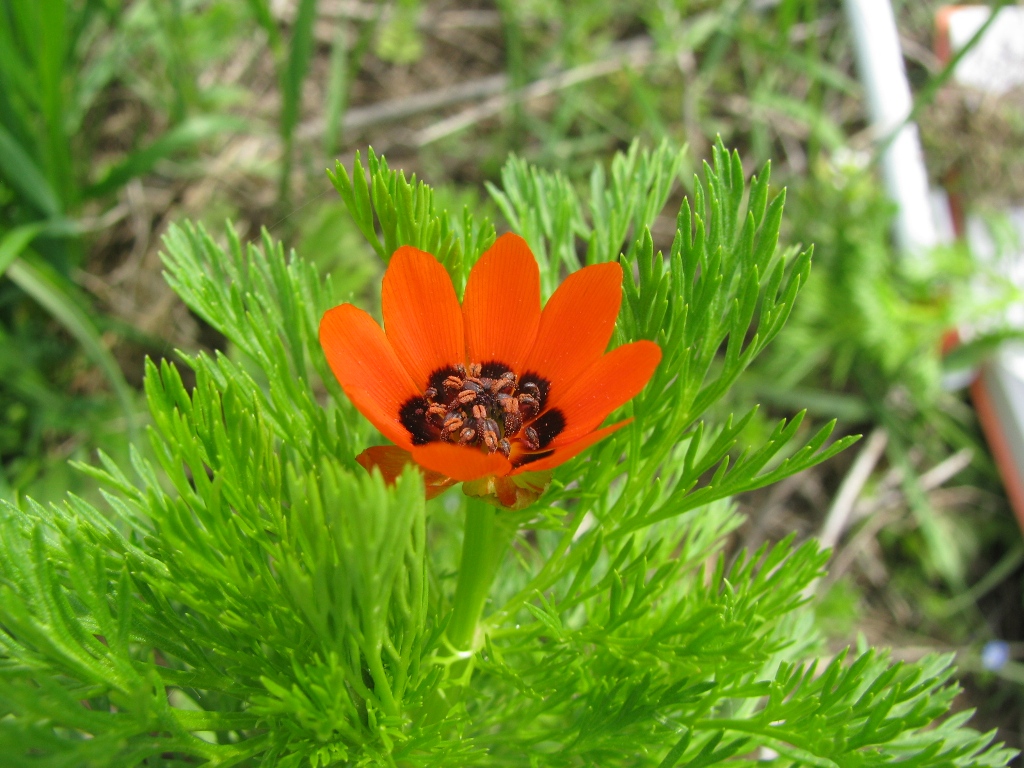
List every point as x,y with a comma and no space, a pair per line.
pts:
851,487
408,106
891,495
883,509
637,52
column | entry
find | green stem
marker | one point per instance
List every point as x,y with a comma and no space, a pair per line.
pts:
483,546
484,542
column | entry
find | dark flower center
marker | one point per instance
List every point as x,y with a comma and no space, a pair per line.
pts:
488,406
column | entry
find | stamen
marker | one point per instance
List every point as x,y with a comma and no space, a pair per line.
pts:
489,429
452,423
513,423
487,406
528,406
548,427
506,383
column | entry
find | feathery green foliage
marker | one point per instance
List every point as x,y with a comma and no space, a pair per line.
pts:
251,597
403,212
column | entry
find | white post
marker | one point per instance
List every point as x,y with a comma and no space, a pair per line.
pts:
885,83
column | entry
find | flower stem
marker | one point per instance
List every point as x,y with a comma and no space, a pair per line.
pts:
484,542
483,545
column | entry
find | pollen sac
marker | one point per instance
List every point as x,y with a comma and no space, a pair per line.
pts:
505,384
528,406
485,406
513,423
437,414
453,422
490,434
473,385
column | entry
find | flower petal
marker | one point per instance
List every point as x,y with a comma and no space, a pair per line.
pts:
422,317
367,369
615,379
564,453
501,307
459,462
392,461
576,325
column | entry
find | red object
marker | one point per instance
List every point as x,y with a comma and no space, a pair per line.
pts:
999,445
981,389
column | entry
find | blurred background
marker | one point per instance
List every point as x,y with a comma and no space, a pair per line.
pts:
118,117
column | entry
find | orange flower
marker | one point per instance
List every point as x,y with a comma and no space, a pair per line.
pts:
495,393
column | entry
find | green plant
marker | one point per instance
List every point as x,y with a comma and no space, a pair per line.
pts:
873,327
252,597
58,61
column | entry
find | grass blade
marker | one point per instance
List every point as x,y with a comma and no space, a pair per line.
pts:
260,10
300,54
24,175
14,242
337,93
182,137
52,292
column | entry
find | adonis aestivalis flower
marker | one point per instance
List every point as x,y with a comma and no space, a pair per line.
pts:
496,392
